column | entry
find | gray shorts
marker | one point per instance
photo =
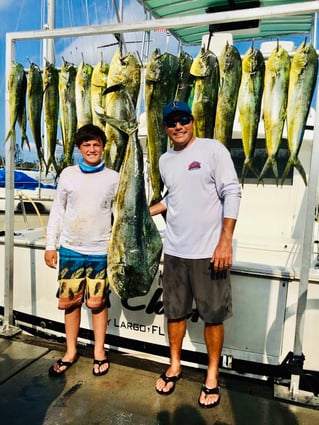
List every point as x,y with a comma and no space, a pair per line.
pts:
185,280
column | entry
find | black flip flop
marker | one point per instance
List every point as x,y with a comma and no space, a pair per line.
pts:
168,379
100,363
209,391
54,373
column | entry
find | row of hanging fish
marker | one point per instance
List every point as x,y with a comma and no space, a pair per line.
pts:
278,90
213,87
281,92
70,97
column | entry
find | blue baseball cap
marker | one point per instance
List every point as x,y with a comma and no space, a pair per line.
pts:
176,106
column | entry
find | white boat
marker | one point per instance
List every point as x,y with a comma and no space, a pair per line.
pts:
32,189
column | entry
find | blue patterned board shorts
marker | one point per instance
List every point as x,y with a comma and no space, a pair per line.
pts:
82,276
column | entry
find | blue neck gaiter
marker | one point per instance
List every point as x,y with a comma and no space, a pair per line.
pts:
85,168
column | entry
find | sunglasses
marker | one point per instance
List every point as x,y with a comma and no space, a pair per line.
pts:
182,121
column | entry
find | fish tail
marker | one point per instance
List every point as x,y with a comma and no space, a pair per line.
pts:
11,133
270,162
24,138
52,161
294,162
301,170
248,165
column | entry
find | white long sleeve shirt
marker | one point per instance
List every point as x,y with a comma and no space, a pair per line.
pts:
203,189
80,217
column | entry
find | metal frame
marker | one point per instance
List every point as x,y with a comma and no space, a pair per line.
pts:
191,21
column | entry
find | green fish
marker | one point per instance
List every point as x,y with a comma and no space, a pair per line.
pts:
160,88
98,87
51,111
126,70
17,87
205,70
302,81
275,104
249,104
123,85
35,105
68,110
135,246
229,82
119,105
83,94
185,79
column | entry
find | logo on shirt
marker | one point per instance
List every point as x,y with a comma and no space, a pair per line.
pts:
195,165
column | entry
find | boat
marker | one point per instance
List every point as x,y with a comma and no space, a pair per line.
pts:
32,189
275,273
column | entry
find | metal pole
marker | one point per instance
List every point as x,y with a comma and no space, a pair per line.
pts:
307,248
7,328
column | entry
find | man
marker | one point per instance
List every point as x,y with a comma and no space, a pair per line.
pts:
202,203
80,222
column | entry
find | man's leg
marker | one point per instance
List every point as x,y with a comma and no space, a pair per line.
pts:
176,332
214,338
99,321
72,319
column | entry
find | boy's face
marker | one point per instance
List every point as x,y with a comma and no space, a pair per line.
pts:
91,151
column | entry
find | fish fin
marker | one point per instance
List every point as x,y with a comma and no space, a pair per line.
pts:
11,133
248,165
301,170
115,87
24,138
52,161
294,162
270,162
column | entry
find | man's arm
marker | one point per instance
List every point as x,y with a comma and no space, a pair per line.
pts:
158,208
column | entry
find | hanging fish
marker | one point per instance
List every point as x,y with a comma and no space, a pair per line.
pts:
35,105
123,85
67,110
229,82
98,86
206,80
160,88
83,94
249,104
51,111
17,87
119,105
135,247
274,105
185,79
126,70
302,81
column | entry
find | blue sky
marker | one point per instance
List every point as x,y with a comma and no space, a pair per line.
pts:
28,15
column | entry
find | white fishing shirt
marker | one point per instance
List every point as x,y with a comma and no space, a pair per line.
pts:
80,217
203,188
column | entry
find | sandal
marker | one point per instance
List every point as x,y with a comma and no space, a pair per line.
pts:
168,379
100,363
54,373
209,391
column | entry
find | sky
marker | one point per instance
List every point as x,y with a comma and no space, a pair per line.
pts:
28,15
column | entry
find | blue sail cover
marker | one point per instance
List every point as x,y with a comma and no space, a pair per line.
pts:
22,180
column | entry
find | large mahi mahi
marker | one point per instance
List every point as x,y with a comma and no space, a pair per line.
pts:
135,246
302,81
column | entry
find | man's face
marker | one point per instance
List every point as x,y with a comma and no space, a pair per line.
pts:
179,128
91,151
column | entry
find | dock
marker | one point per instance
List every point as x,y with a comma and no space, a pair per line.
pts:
126,394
